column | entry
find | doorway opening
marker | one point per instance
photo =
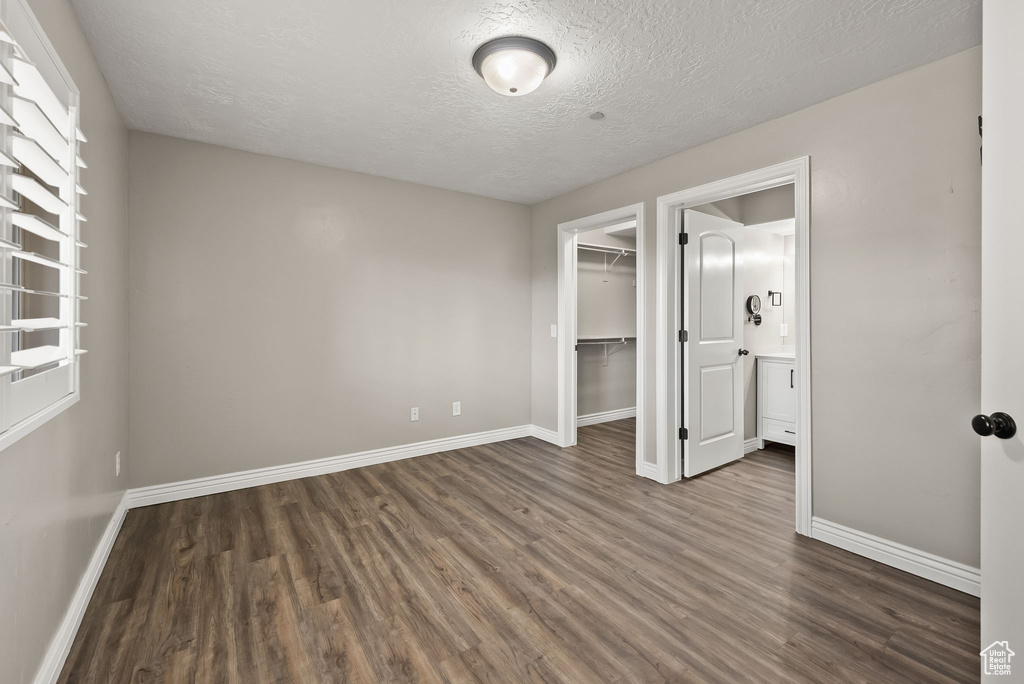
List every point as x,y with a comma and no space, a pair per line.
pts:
733,363
600,327
740,279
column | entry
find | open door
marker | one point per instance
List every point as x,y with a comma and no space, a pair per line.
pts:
1002,329
713,348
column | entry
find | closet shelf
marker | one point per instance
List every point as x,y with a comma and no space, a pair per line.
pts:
621,251
610,344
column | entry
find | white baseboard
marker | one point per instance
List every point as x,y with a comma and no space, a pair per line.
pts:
544,434
605,416
60,646
650,471
751,445
187,489
921,563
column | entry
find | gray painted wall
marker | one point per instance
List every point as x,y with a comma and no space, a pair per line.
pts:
282,311
57,485
895,219
764,206
767,206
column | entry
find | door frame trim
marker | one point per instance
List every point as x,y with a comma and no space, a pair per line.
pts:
668,350
567,307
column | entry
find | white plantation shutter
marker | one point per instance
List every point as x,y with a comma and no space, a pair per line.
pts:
40,219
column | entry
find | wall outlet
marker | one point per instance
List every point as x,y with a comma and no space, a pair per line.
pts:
456,408
554,330
117,464
414,415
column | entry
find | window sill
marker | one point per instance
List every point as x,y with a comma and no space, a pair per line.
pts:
37,420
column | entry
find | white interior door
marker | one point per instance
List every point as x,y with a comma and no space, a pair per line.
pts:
1002,329
713,319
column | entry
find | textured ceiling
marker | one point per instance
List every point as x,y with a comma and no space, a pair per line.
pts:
387,88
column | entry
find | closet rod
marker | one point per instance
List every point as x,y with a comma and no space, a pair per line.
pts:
606,340
621,251
612,342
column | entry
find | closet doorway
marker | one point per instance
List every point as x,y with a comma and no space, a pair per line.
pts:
600,326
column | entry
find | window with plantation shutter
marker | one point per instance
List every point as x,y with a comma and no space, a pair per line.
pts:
41,270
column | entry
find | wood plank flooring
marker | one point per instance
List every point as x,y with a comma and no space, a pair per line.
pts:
512,562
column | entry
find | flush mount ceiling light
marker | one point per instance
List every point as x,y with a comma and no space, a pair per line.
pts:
514,66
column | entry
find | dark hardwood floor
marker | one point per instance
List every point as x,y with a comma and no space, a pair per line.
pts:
513,562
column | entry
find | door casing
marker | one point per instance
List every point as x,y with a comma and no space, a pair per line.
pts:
669,351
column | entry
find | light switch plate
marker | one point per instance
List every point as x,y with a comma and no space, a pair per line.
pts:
456,408
414,414
554,330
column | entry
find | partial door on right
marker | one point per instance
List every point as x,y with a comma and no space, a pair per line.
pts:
1002,329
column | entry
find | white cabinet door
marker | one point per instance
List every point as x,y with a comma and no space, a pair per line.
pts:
713,318
779,391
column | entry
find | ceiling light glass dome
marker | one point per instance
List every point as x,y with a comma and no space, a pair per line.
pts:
514,66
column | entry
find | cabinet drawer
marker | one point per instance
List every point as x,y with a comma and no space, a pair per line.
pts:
779,431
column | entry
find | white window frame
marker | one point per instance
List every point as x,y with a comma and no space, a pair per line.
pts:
29,403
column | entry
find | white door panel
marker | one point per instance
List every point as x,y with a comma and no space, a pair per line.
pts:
717,396
1002,329
717,265
713,318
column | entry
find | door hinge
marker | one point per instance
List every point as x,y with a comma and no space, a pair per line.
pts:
682,433
683,337
683,238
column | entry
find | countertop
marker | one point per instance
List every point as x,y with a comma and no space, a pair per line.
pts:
779,356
